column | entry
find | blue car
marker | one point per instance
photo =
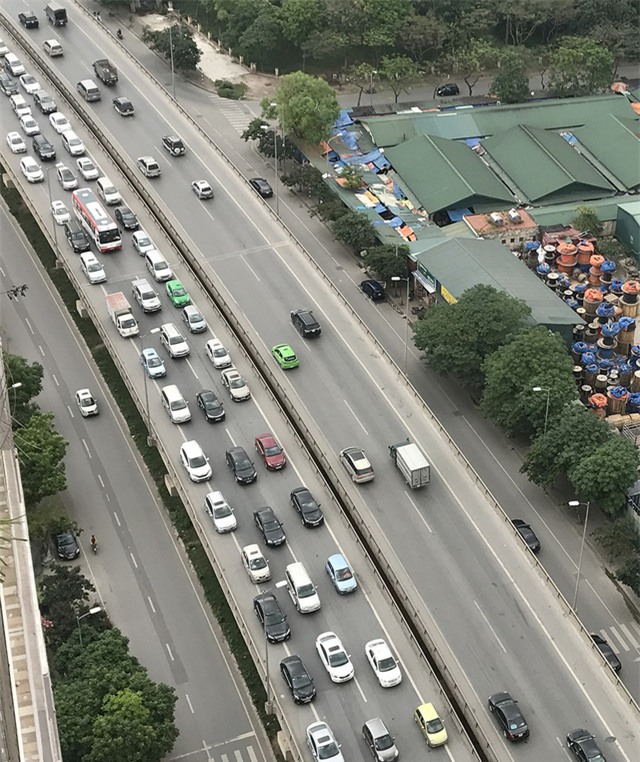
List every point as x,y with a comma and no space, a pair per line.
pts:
341,574
152,363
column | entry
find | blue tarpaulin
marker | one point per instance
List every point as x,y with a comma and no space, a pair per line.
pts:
455,215
344,120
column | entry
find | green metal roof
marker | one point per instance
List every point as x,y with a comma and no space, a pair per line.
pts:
562,214
615,142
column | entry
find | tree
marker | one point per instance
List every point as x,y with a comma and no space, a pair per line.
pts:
29,376
179,38
354,230
534,357
363,76
522,18
382,18
629,573
511,83
64,595
307,179
387,261
457,338
398,72
580,66
618,538
262,39
619,39
123,730
307,105
421,34
351,177
300,19
587,220
41,452
470,61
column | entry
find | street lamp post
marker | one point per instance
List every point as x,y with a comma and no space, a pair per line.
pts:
546,410
91,612
577,504
150,439
397,279
267,706
267,128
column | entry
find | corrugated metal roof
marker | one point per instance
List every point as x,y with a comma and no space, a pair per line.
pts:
615,141
562,214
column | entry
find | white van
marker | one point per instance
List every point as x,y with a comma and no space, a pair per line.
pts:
19,105
301,589
175,404
108,191
52,48
173,341
157,265
72,143
13,65
89,90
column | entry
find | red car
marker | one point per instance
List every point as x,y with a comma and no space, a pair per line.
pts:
270,451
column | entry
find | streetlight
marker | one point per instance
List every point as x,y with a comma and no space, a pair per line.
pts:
267,706
267,128
91,612
546,410
150,440
397,279
577,504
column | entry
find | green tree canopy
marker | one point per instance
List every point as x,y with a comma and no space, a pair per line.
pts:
354,230
382,20
307,105
29,375
186,54
302,18
64,595
387,262
618,538
629,573
420,35
262,39
398,73
580,66
511,83
470,61
587,220
123,730
41,452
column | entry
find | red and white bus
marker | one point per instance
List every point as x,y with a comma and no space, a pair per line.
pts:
96,221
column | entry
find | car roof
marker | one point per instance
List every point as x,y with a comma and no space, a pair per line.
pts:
428,711
191,446
337,559
252,550
376,727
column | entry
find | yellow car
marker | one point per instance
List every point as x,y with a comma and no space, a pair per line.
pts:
431,725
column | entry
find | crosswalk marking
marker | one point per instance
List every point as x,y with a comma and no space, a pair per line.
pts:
252,755
630,637
617,636
238,755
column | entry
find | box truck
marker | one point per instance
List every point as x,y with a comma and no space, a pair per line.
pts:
120,314
411,463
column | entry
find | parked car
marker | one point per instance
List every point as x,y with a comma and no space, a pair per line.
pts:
527,534
372,289
66,545
450,88
608,652
260,185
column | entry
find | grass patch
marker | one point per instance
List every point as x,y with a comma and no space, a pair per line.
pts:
232,90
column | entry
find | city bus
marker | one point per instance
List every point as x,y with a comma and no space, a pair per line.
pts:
96,221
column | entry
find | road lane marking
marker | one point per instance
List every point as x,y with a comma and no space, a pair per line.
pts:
55,380
364,698
254,273
100,480
168,647
417,510
28,324
151,606
192,369
86,447
482,614
188,700
617,636
356,417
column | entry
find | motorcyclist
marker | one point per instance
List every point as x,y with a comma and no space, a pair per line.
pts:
94,543
119,34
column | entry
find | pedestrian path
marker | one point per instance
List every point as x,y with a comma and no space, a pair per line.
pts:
623,637
234,750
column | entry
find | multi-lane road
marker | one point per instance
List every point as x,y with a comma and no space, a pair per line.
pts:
470,573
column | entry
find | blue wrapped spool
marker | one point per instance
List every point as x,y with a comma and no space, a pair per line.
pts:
611,329
588,358
633,403
605,364
616,286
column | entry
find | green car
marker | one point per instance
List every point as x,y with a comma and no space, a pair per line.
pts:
177,293
285,356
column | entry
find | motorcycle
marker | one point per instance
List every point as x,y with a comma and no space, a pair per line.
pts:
119,34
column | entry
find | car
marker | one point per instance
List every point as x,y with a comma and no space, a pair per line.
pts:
194,319
380,742
43,149
235,384
148,166
255,564
72,143
108,192
142,243
60,212
126,218
298,679
16,143
334,657
322,743
195,461
357,464
29,84
341,574
448,89
45,102
123,106
309,511
202,189
270,451
608,652
29,125
270,526
285,356
260,185
432,727
527,534
86,403
173,144
217,354
61,124
583,744
372,289
305,323
152,363
31,170
3,49
383,663
77,238
210,405
66,178
221,513
177,293
87,168
20,106
8,85
146,296
241,465
29,20
272,618
510,719
92,268
66,545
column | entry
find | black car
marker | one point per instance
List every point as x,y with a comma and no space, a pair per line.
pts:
76,236
372,289
262,186
210,405
298,679
446,90
67,545
303,501
305,323
173,144
271,617
608,652
527,534
270,526
8,85
45,102
123,106
583,745
241,465
43,148
29,20
126,218
510,718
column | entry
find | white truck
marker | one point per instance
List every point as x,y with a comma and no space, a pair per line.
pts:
411,463
120,313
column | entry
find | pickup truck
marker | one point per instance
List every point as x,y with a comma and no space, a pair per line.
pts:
411,463
105,71
235,384
120,313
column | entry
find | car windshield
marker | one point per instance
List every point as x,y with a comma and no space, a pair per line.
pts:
384,742
195,317
222,511
178,291
328,750
143,241
94,267
176,340
384,665
300,680
305,591
435,726
338,659
220,352
274,449
257,563
178,405
237,382
154,362
86,401
197,461
271,525
517,724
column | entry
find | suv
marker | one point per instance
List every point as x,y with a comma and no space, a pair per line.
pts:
173,144
148,166
372,289
306,325
44,102
145,295
357,464
43,148
76,236
29,20
379,740
510,718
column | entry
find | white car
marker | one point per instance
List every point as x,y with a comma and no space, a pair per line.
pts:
255,563
59,122
357,464
202,189
87,168
65,176
16,143
3,49
92,268
217,354
334,657
195,461
86,403
235,384
322,743
31,169
110,194
142,243
221,512
148,166
29,125
60,212
383,663
29,84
